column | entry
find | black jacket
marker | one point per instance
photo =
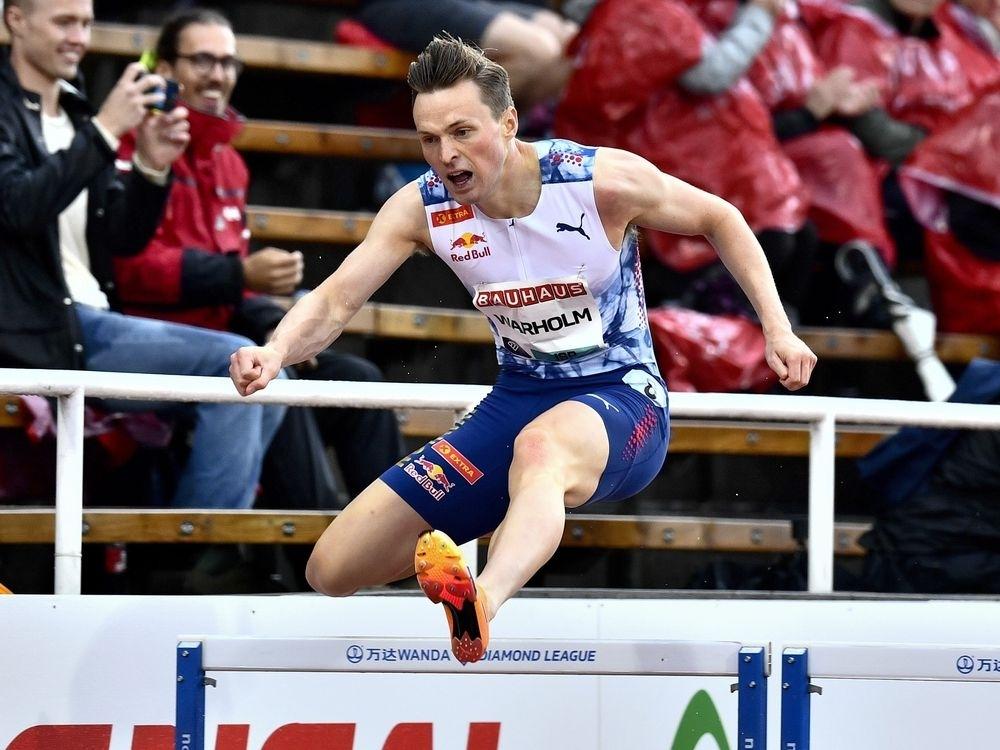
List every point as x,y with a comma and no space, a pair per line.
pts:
37,325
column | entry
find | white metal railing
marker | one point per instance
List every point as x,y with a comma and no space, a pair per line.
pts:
820,415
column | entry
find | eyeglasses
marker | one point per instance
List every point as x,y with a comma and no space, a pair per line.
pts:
205,62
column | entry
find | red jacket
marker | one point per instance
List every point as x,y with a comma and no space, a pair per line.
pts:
191,271
624,93
843,184
924,81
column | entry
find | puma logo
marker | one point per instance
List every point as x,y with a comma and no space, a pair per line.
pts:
560,227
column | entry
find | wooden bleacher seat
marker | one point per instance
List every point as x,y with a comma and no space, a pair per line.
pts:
690,436
348,228
686,436
304,139
687,533
469,327
11,412
289,224
125,40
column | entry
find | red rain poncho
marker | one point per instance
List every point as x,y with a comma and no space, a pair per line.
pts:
624,93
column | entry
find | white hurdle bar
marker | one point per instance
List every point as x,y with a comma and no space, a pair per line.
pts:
203,660
820,415
871,661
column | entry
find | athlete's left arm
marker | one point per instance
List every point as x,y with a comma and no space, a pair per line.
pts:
630,190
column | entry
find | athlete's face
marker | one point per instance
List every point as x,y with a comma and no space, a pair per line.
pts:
462,141
52,36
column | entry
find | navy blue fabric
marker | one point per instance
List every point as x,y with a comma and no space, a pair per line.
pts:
899,466
458,483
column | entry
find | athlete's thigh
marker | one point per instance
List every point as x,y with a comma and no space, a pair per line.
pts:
576,443
371,542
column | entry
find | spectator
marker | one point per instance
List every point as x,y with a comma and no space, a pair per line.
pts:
197,269
935,492
528,39
808,105
935,78
926,67
980,19
955,191
64,211
666,97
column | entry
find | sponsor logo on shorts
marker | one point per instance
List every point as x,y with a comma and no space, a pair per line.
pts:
530,295
433,480
470,473
451,216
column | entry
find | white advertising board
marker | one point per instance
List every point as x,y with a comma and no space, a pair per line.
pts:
98,673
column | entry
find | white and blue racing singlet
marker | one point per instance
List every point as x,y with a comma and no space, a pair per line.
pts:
560,299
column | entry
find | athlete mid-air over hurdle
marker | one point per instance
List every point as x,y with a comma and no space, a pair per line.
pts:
542,236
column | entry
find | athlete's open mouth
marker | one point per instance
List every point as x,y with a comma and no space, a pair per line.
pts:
460,178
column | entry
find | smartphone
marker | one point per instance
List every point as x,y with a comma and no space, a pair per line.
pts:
170,94
172,90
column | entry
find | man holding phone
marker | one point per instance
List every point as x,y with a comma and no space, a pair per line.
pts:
65,211
198,269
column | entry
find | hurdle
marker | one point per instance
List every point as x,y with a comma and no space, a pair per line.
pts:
842,661
204,661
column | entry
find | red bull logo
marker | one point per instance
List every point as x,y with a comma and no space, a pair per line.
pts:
468,239
469,242
433,480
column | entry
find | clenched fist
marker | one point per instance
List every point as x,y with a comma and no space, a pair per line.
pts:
253,367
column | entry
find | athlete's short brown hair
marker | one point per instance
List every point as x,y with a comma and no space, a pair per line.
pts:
447,61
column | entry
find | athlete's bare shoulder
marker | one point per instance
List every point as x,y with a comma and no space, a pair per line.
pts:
401,219
625,185
630,189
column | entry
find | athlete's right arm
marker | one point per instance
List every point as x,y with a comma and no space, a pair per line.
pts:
319,317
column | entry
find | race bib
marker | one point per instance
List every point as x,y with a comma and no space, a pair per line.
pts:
552,321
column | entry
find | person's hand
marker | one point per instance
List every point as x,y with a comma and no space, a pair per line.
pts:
126,105
827,91
858,99
253,367
790,358
774,7
273,271
162,137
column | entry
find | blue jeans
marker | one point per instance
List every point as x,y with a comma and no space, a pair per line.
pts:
229,440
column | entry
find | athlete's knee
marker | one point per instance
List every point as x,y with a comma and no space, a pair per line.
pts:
535,446
325,576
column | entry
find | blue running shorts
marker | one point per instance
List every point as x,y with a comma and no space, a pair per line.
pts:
458,482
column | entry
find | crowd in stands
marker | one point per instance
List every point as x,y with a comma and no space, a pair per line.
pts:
854,136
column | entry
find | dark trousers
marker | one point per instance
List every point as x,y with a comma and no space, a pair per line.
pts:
366,442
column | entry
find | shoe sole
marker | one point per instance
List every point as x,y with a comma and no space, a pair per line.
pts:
445,579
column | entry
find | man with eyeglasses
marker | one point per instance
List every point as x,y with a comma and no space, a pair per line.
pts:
65,211
197,269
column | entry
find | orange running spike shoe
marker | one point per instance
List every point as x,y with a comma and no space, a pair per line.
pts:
4,590
447,580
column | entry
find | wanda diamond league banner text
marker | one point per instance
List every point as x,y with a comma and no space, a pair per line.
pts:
99,673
